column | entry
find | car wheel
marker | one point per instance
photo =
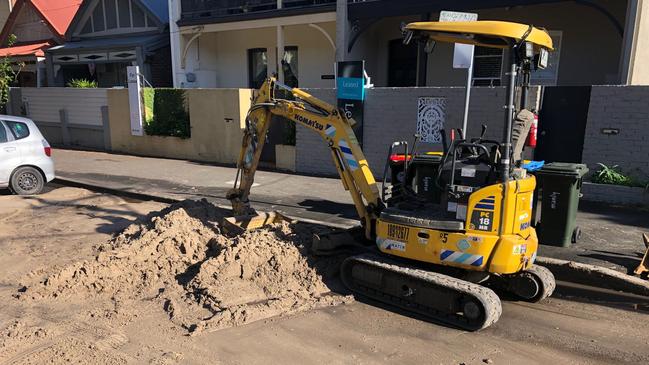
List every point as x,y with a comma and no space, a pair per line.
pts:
26,181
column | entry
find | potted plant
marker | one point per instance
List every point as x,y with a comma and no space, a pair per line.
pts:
610,185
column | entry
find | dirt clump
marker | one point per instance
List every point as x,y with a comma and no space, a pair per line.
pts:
202,278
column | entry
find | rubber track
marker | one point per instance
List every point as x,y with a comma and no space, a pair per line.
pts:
489,300
547,280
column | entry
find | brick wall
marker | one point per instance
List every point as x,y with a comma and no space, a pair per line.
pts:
391,115
624,108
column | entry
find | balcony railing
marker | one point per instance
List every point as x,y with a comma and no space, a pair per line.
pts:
196,9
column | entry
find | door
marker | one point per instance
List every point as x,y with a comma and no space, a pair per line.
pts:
9,154
402,64
562,124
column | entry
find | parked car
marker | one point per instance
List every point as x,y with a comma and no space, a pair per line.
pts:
25,156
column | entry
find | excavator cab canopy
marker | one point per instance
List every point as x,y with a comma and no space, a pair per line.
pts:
528,48
484,33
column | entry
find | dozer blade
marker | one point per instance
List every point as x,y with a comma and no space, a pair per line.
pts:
239,224
333,243
644,264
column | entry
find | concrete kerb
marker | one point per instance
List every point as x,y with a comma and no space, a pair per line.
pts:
563,270
593,275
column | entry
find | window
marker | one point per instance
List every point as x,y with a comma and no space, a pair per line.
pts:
111,14
18,129
3,134
114,14
402,64
487,66
550,75
98,18
289,66
257,67
124,13
138,16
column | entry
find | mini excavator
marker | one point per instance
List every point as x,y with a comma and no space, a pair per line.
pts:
443,259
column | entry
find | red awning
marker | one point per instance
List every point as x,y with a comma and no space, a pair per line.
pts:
36,49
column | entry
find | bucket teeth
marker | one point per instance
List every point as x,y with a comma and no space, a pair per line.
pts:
239,224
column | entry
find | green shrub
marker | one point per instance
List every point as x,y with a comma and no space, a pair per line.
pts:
613,176
166,113
82,84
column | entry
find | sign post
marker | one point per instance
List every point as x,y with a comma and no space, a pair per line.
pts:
350,85
462,58
135,99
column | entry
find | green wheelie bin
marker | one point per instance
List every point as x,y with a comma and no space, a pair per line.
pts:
560,185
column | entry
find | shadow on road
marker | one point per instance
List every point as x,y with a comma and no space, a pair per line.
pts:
342,210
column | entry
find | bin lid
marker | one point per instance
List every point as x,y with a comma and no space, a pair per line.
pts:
564,168
433,159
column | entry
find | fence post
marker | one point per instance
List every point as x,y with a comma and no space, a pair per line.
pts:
106,124
65,132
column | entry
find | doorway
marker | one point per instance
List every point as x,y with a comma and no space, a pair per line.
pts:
562,124
402,64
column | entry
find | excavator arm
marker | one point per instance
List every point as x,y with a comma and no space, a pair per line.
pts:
323,118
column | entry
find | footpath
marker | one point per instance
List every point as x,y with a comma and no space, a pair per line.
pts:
611,236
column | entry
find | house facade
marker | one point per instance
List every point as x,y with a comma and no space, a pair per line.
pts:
234,43
36,26
227,44
106,36
5,10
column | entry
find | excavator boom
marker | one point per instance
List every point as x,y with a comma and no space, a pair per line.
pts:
323,118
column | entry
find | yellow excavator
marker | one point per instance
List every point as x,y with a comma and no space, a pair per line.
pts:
441,258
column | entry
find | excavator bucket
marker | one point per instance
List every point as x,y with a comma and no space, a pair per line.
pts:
239,224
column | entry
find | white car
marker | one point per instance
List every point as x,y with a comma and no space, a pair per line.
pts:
25,156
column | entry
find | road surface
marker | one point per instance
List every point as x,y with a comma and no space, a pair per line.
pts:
38,234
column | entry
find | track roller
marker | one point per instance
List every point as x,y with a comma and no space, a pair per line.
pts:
436,296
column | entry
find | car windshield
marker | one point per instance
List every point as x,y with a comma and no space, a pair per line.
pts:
19,129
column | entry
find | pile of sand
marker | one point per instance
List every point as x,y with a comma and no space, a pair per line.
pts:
201,277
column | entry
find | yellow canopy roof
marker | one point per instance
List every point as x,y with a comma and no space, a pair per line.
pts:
486,33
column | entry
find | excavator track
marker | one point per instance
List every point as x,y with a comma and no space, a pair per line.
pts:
436,296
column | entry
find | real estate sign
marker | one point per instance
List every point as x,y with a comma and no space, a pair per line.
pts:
135,100
350,86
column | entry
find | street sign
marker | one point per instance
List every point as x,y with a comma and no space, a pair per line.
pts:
462,58
457,16
463,54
